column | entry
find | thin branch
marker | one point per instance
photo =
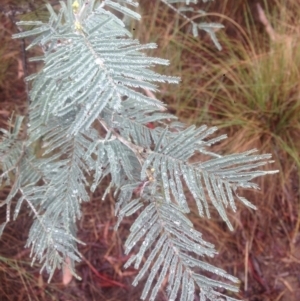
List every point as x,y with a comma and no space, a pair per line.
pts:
137,150
263,19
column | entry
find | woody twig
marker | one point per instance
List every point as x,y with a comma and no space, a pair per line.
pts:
264,20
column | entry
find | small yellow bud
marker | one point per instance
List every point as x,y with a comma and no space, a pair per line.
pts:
78,25
75,5
152,169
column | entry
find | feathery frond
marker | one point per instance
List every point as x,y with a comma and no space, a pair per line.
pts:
90,117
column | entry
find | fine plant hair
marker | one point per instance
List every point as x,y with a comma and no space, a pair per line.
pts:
89,114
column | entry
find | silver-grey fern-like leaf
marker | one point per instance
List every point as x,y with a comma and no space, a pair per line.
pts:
169,238
89,116
90,53
210,28
219,177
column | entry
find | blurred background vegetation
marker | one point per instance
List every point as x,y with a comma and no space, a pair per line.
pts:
250,90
